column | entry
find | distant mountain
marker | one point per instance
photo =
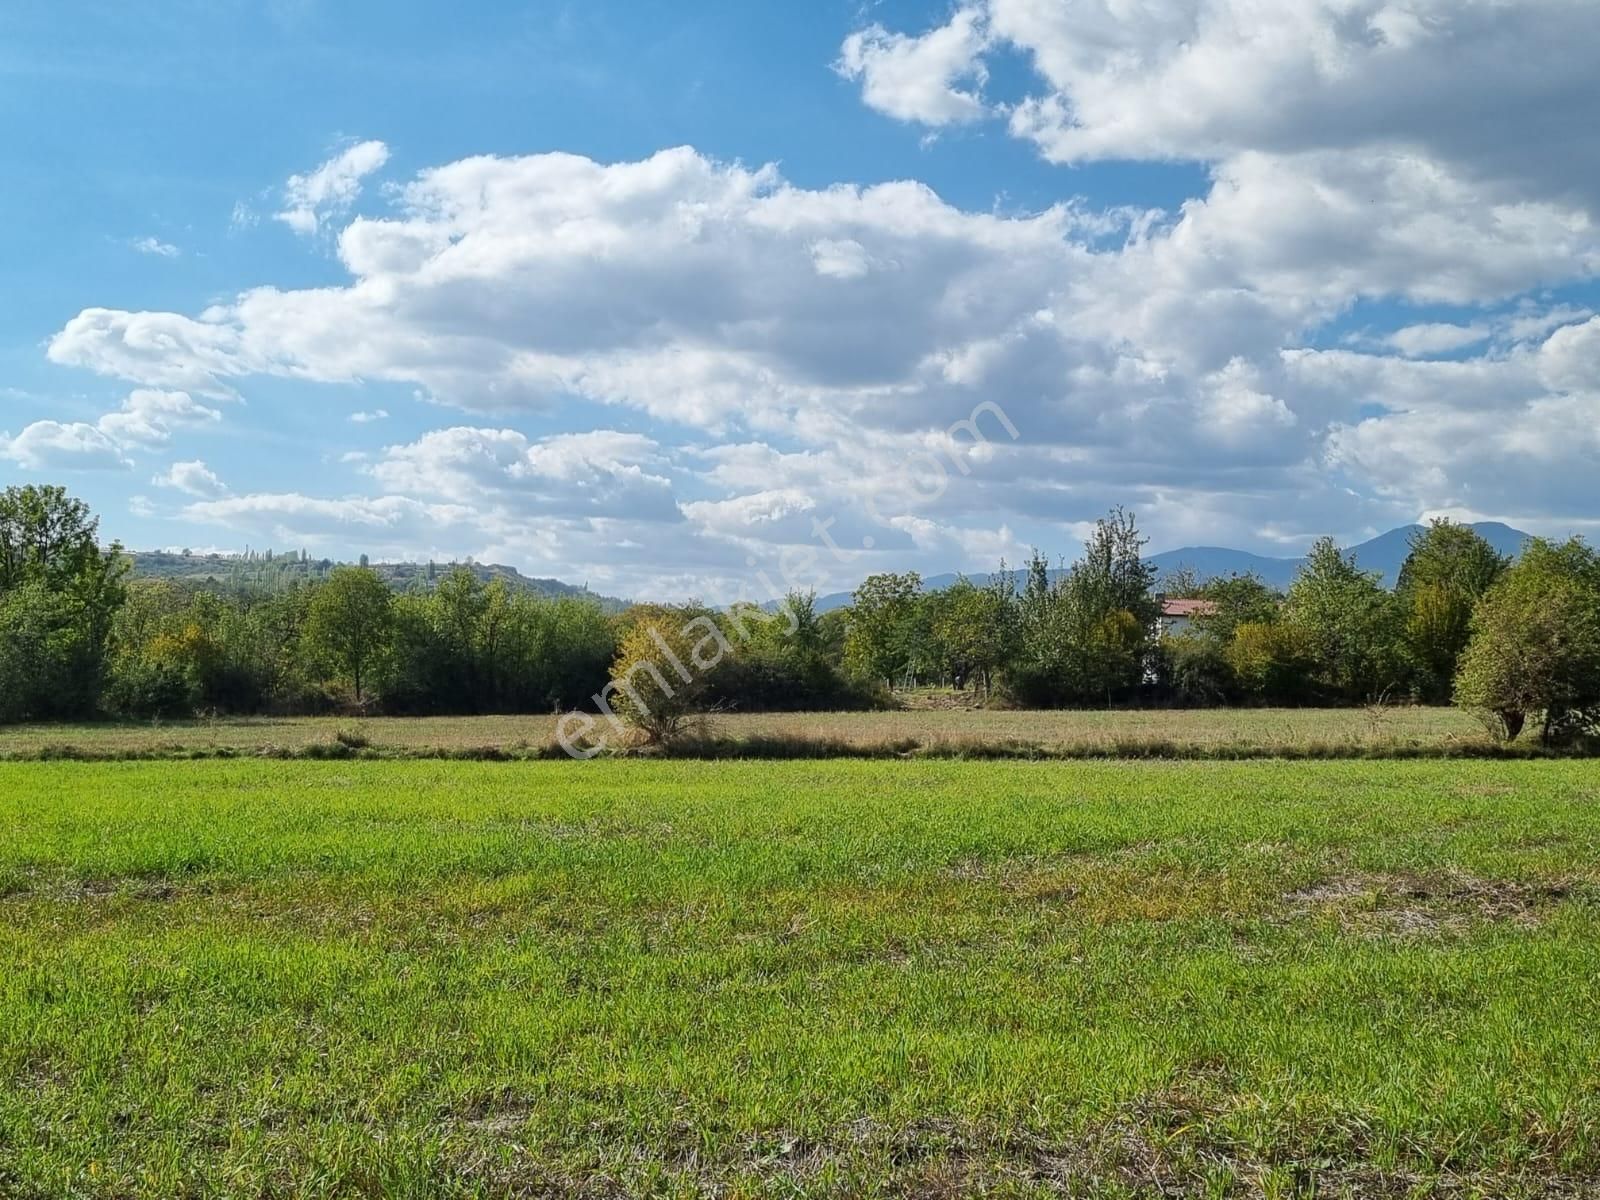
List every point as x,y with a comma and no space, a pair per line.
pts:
270,571
1219,562
1385,553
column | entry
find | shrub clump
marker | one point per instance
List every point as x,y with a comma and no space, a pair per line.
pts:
1535,646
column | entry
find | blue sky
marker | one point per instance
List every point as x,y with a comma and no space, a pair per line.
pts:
1256,277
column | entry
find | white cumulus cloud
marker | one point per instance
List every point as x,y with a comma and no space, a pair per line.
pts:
194,478
55,445
329,191
746,358
936,78
147,417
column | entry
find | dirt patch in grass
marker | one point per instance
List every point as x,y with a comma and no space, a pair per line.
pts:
1117,886
1155,1152
1404,905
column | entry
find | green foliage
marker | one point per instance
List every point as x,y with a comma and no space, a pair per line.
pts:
59,592
265,572
1273,662
970,630
782,662
41,649
1449,569
1087,637
76,639
48,538
151,673
467,647
1239,600
350,623
1350,624
1535,645
665,660
176,650
1196,671
885,628
1113,576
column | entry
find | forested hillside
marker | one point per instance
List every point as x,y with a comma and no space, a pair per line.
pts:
270,571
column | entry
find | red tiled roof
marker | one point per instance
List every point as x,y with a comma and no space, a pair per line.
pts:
1188,608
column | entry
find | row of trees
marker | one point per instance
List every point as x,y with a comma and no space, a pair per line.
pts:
1512,641
1515,641
352,642
79,638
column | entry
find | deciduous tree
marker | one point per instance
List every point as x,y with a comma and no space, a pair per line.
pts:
1448,570
350,622
1535,645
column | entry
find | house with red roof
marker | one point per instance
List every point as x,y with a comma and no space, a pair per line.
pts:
1177,616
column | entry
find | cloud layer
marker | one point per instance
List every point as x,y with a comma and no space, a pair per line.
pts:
741,362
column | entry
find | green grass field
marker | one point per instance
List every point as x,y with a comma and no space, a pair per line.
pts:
239,978
1202,731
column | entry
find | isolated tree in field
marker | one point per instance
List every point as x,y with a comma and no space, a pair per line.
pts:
883,626
1535,645
1449,568
350,622
665,660
1350,622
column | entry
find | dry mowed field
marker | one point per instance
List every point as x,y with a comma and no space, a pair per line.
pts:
1210,730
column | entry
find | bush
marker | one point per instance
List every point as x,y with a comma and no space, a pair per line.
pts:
352,737
1273,663
1195,672
44,658
773,679
661,678
1535,646
144,688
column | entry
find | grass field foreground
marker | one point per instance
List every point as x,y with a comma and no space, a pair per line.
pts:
846,978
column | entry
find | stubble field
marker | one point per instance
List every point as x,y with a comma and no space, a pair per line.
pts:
1158,732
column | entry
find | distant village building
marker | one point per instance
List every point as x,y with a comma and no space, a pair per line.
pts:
1177,616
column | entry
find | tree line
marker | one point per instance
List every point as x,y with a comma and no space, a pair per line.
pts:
1518,642
1514,641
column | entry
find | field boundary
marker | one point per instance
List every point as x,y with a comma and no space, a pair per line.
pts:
758,747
